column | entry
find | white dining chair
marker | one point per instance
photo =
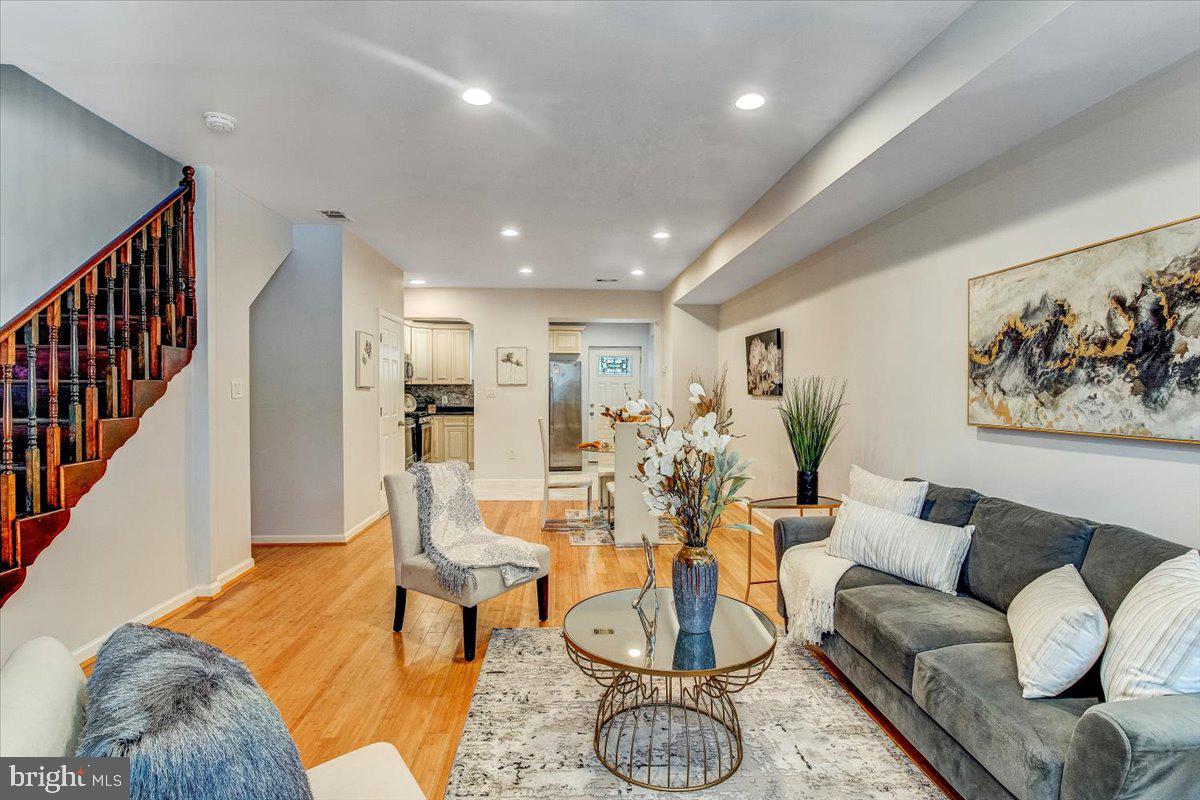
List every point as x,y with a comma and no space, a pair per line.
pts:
560,480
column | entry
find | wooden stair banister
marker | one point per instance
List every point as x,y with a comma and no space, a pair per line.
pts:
129,312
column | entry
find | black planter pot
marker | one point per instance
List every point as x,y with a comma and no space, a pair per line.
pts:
806,487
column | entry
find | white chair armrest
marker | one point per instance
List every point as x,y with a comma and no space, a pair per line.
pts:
374,772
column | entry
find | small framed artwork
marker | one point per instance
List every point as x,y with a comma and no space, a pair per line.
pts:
764,363
364,360
512,366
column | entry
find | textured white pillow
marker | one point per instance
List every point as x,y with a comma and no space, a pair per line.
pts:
922,552
903,497
1154,639
1058,632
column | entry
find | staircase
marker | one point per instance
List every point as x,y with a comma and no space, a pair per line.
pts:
82,364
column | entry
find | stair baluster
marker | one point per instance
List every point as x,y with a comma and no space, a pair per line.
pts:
8,478
125,357
74,407
143,319
181,283
53,445
154,338
112,378
33,459
91,400
169,283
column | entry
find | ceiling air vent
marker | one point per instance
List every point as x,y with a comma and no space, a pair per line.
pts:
333,214
606,280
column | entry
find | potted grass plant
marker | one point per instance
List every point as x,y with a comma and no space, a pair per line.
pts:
810,410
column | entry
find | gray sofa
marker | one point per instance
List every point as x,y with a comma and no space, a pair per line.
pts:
942,669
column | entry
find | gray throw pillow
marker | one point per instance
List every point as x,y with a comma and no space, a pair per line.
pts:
193,722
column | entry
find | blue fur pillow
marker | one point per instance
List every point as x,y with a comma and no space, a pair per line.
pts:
192,721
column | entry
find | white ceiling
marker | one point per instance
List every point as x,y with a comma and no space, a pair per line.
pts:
611,120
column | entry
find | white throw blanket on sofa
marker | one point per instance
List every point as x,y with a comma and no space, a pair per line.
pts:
808,578
453,535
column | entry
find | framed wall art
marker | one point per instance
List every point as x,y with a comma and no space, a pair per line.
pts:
1101,340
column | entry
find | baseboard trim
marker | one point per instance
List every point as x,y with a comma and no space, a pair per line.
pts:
172,607
370,520
508,488
282,539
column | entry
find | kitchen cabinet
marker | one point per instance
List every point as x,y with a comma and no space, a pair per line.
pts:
566,340
422,353
453,438
440,354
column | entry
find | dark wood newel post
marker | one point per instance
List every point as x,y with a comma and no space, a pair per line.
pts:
189,249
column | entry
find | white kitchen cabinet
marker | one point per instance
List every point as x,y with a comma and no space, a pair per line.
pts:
453,438
441,354
422,353
566,340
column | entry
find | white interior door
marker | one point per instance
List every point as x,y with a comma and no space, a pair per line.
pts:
391,397
615,373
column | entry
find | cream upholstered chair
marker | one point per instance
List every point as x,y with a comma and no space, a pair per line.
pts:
559,480
415,571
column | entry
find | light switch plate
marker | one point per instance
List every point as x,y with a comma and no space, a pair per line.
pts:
235,390
491,394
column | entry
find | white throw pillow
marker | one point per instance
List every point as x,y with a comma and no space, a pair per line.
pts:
1058,632
903,497
922,552
1154,638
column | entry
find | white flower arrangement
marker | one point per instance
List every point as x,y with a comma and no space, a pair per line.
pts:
690,475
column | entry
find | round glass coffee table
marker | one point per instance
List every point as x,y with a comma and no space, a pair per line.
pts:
666,719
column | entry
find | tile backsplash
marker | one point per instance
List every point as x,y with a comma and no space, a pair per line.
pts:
442,395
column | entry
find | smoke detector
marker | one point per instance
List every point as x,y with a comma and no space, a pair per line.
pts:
219,123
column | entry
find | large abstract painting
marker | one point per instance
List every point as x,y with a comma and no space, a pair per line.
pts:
764,363
1101,340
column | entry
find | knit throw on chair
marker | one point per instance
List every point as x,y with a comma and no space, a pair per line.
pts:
453,535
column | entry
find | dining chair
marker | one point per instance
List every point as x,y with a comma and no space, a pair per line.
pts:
560,480
415,571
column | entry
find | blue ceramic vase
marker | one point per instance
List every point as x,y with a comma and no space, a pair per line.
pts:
694,584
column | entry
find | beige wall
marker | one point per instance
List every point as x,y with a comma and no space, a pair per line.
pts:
885,309
370,284
506,436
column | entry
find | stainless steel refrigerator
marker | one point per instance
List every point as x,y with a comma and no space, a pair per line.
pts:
566,424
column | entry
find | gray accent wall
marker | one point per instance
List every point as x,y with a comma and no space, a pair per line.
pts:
71,181
296,402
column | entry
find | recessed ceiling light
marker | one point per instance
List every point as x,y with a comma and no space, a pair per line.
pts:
637,272
751,101
477,97
219,123
510,232
417,282
661,235
525,270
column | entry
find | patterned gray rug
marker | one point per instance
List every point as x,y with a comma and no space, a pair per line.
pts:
599,531
528,737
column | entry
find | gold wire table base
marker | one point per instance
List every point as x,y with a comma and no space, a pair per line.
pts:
672,732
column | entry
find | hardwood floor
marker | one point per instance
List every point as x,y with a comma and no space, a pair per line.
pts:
314,625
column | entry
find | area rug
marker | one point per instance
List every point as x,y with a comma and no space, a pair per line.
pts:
528,737
598,531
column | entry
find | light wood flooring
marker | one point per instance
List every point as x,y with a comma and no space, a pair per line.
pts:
314,625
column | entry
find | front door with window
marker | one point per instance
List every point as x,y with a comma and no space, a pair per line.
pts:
614,373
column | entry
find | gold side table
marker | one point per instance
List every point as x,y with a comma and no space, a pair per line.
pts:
666,719
829,504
